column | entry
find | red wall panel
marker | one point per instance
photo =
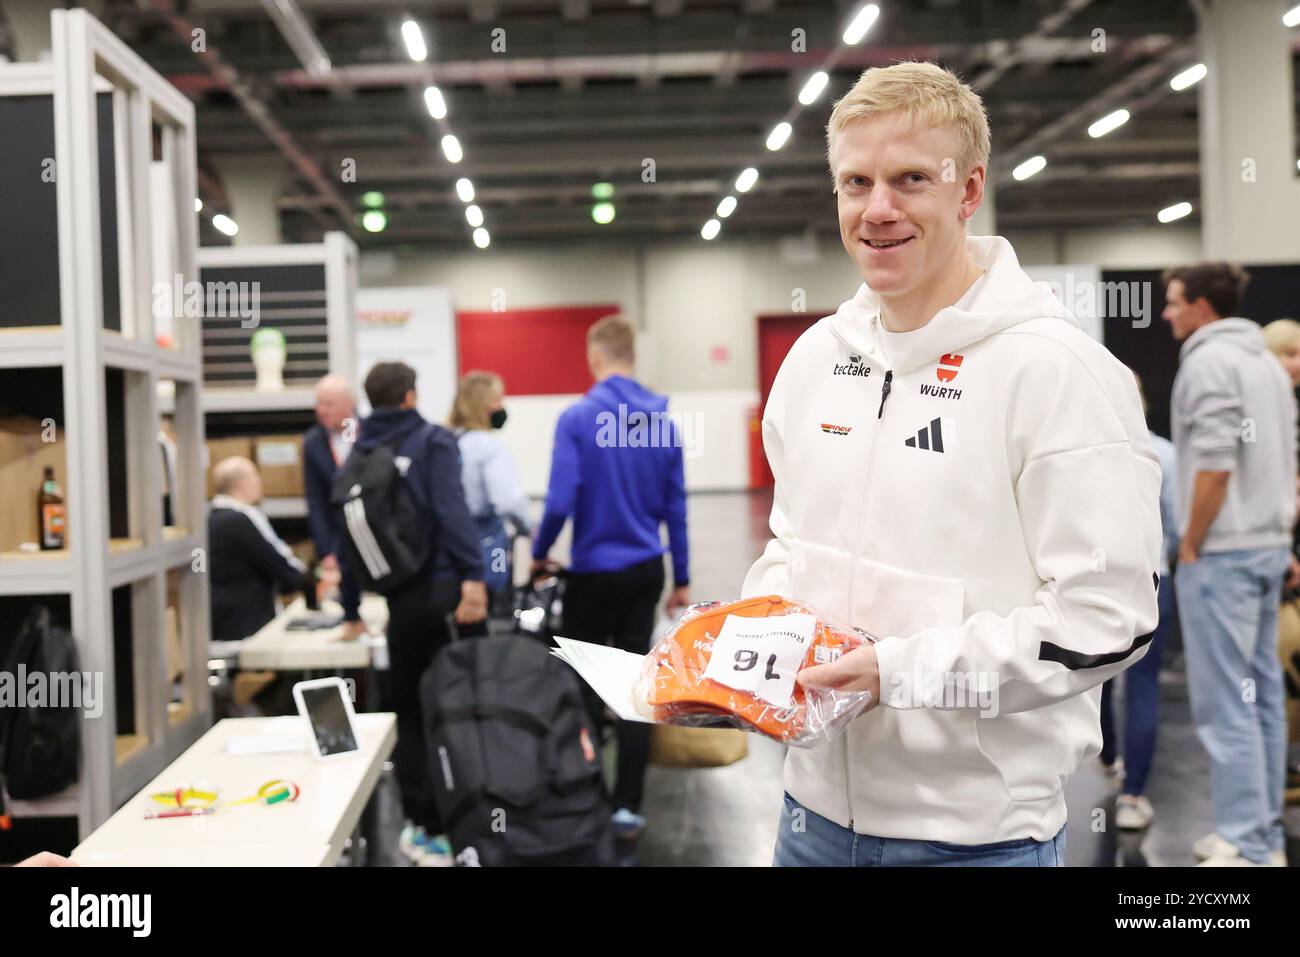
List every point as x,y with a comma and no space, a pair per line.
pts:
536,351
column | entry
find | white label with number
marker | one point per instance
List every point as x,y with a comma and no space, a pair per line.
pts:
761,655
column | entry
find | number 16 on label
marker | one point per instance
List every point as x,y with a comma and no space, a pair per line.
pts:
761,655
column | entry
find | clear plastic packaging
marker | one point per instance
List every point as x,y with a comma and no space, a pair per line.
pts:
733,664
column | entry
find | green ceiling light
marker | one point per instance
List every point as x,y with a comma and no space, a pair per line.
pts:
603,213
603,191
373,199
374,221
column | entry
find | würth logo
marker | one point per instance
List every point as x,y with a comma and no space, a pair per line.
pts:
836,429
949,365
930,437
853,367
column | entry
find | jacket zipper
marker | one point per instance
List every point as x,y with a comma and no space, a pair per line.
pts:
885,389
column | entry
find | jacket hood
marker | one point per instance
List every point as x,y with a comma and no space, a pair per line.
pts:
619,390
1003,297
1241,333
388,427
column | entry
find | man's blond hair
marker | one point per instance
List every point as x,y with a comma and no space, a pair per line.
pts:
926,94
615,338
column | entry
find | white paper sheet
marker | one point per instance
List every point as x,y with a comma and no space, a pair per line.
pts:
611,672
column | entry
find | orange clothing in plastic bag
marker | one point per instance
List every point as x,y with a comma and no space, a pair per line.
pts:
676,690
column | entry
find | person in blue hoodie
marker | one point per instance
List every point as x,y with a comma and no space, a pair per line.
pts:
617,472
417,612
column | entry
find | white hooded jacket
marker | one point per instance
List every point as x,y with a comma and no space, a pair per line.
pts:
990,507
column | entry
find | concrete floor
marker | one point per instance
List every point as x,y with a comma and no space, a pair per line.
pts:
728,816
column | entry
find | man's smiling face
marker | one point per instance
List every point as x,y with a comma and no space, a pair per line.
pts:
900,221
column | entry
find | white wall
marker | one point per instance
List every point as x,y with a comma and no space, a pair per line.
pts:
1153,247
714,425
696,305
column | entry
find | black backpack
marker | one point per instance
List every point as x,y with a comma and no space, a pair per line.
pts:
514,758
387,535
40,745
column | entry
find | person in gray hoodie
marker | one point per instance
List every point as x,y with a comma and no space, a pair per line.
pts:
1234,427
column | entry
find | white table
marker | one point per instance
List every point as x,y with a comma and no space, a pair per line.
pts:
276,648
311,830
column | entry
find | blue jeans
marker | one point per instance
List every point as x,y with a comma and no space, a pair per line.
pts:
1141,703
805,839
1228,603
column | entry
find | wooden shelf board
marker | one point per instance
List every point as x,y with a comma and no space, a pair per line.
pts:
129,745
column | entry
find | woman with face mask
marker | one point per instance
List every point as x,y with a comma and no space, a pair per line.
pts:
488,472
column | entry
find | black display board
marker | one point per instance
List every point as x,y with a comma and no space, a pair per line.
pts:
29,228
1152,352
290,298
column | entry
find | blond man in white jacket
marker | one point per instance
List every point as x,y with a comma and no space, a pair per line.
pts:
963,472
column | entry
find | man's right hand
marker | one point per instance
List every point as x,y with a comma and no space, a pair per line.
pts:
473,605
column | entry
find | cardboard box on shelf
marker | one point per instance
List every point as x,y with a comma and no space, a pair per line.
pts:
218,449
24,456
279,458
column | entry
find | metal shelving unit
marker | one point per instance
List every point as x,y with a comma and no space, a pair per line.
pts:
309,292
150,128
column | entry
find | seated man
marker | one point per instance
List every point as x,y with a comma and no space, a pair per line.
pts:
248,562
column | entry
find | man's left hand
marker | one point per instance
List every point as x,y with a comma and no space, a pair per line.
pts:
859,670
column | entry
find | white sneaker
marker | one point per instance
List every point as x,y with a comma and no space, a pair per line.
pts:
436,852
410,844
1214,846
1113,771
1133,812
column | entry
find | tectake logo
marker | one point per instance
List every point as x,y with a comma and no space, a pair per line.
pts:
949,366
853,367
830,429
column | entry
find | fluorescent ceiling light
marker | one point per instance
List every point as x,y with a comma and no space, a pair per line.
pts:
746,180
451,148
198,205
414,41
727,207
1029,167
434,102
861,23
474,216
711,229
1190,77
1292,17
465,190
225,224
1109,122
374,221
1176,211
813,88
481,238
780,133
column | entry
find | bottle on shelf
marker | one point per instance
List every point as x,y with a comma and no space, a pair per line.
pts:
51,516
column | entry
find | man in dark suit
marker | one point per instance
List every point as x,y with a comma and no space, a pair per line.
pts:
325,447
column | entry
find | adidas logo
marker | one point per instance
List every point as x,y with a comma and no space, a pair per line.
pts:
930,437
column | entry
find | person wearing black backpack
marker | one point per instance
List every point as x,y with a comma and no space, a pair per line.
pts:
419,546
